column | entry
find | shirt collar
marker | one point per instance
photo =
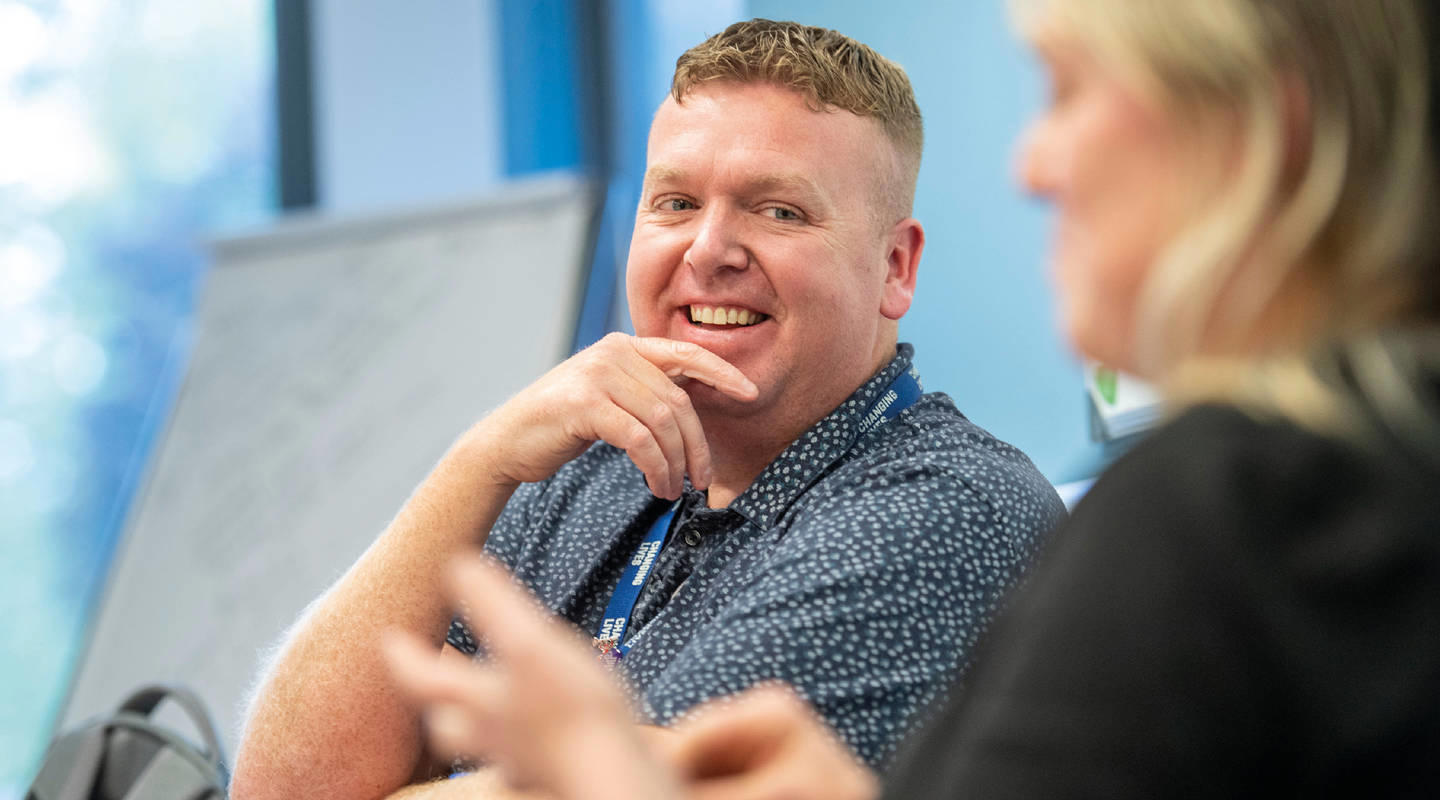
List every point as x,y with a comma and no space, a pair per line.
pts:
811,455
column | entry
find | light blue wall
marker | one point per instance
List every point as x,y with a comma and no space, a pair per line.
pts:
407,97
646,37
983,322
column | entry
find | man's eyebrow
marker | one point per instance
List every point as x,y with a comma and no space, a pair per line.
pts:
792,183
789,183
662,173
791,187
755,184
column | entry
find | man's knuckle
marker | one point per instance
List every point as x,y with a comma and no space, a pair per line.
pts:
677,397
608,348
636,436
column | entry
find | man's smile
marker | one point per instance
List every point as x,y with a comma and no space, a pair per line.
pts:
724,315
731,331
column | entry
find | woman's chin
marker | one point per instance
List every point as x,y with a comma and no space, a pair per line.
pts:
1097,341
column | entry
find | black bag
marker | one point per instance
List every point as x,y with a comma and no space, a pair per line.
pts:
125,756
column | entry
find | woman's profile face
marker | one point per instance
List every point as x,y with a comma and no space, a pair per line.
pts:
1114,167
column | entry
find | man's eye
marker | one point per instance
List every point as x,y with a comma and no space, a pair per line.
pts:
677,204
784,214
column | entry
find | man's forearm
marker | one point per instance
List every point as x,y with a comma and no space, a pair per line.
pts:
327,721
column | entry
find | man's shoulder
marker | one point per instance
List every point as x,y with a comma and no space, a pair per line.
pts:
937,424
933,436
932,457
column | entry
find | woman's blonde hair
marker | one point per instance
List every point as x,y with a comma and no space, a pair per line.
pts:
1334,194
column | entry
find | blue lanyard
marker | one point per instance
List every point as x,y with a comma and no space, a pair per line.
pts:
622,603
902,393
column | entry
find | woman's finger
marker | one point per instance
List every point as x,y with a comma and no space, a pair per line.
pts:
730,734
427,677
461,700
766,743
453,731
516,628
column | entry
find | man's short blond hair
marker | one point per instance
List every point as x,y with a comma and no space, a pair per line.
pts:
830,70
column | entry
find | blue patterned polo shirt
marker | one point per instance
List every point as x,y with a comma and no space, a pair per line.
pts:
861,572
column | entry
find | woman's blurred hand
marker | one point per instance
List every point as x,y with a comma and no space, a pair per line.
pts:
765,744
541,709
545,712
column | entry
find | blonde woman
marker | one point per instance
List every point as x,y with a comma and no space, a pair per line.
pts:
1248,604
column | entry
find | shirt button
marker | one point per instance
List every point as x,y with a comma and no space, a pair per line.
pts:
692,538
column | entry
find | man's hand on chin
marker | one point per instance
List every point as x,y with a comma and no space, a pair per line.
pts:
621,390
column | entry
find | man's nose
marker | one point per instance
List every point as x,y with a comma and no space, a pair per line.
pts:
719,241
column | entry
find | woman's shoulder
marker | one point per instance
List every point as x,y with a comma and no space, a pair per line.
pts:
1251,481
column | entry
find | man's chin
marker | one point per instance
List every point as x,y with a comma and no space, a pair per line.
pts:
708,400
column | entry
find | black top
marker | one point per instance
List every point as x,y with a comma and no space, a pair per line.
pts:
1237,609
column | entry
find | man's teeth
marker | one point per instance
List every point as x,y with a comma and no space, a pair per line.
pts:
720,315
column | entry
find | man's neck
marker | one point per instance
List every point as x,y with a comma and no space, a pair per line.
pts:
740,449
736,461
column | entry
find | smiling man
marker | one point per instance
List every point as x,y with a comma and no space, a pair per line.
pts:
752,488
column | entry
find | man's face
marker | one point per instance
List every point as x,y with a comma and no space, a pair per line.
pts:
762,218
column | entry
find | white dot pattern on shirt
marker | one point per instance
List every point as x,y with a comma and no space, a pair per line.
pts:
861,575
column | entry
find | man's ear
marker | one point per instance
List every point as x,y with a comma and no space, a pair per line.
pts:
904,243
